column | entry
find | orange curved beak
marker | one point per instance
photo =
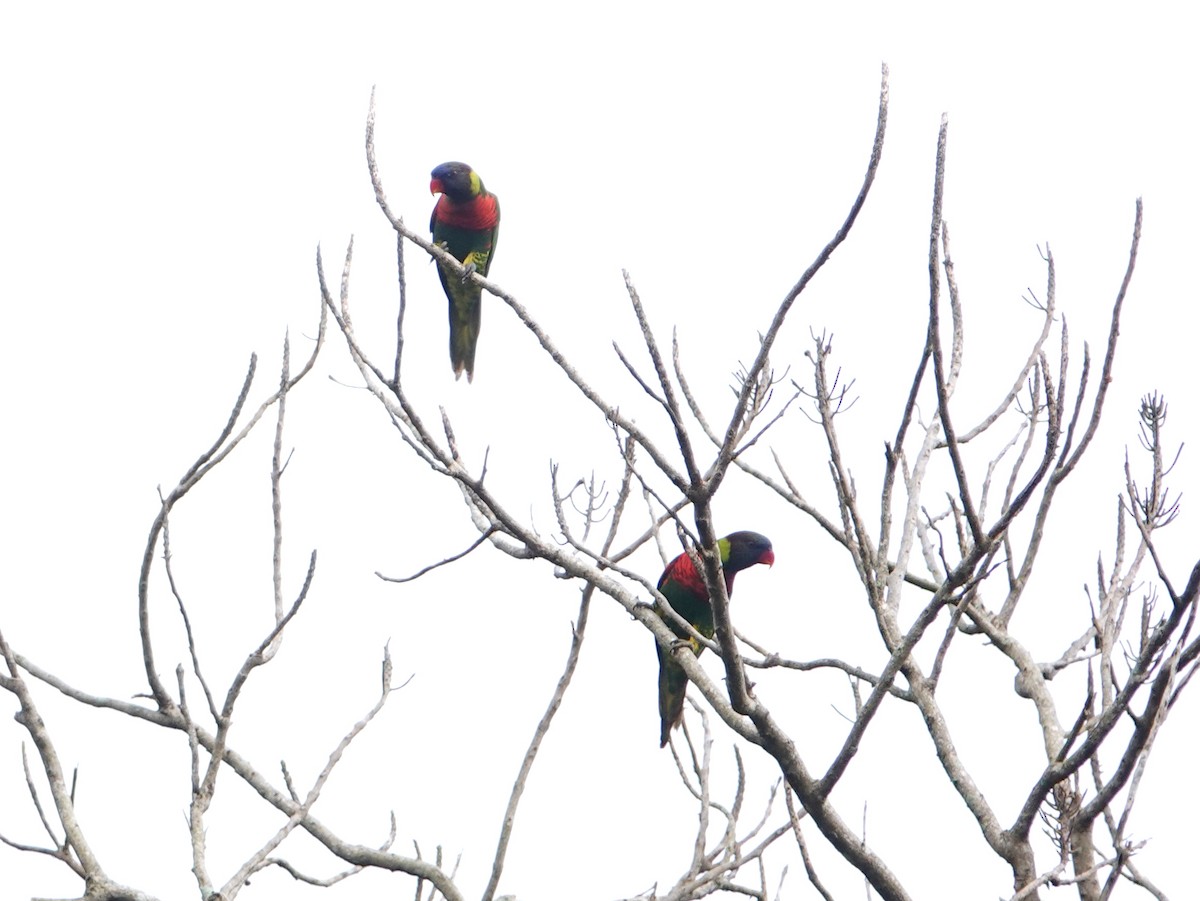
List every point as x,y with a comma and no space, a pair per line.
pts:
435,187
768,558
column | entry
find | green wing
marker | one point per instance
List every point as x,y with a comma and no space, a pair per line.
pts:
672,680
469,247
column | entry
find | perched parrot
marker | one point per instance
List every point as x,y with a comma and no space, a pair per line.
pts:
466,221
684,588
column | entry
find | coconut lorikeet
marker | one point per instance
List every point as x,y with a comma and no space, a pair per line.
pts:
466,221
684,588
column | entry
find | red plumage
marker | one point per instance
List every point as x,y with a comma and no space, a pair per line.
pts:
480,213
683,571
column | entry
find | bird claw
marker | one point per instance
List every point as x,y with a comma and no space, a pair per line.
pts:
679,643
468,270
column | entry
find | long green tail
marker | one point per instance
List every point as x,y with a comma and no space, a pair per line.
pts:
466,305
672,689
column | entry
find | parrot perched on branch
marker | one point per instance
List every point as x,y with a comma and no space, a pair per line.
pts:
684,588
466,222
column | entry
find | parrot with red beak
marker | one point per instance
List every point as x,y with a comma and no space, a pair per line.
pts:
684,589
465,222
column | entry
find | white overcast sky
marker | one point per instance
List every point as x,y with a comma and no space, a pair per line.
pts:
166,175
